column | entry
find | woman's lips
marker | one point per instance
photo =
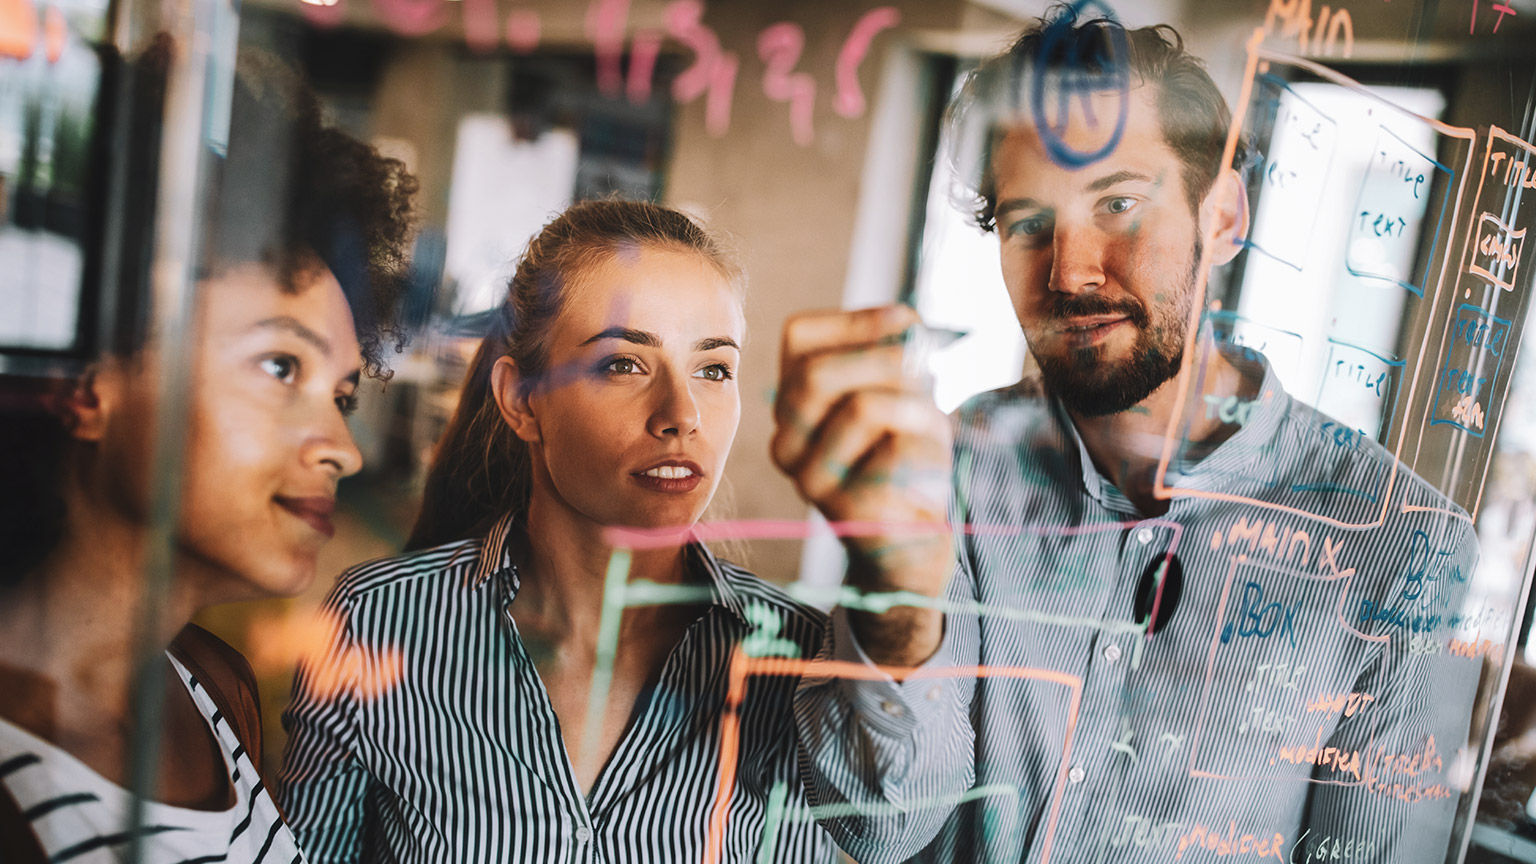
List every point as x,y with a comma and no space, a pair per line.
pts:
315,511
674,476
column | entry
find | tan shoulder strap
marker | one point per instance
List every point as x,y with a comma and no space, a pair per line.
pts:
227,679
222,673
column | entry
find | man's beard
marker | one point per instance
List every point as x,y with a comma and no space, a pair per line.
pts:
1090,385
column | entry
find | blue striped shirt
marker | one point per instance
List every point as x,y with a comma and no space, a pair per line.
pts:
426,734
1310,693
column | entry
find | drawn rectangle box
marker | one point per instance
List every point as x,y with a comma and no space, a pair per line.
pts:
1390,211
1294,170
1266,73
1475,357
1359,395
1246,339
1464,402
1320,634
1496,251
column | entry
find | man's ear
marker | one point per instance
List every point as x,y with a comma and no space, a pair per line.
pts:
96,394
1225,215
507,390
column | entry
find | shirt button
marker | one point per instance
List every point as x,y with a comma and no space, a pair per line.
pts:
892,708
583,834
935,692
1111,652
1144,536
1077,774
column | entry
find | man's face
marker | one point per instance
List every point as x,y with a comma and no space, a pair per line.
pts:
1100,261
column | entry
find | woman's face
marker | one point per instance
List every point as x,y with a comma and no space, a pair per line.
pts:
639,406
266,440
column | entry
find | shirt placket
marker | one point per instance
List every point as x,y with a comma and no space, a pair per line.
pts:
583,839
1106,753
578,835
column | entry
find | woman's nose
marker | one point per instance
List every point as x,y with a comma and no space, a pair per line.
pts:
330,444
676,412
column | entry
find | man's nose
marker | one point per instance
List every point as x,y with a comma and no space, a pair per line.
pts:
1077,259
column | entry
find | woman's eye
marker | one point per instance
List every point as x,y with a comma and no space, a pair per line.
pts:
283,367
1120,205
715,372
622,366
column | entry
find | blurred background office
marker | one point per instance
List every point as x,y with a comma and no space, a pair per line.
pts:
812,134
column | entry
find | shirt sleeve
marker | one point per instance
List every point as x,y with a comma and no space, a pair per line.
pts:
1403,809
884,762
323,783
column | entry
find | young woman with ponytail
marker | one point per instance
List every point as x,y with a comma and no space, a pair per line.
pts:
453,717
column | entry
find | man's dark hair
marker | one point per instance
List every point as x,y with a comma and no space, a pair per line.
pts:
1191,110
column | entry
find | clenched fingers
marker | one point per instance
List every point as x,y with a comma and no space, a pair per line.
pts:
839,461
818,382
836,329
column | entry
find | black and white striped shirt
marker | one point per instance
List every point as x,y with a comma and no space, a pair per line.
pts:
426,734
80,817
1305,699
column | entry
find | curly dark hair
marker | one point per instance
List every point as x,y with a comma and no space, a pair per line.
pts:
1191,110
288,189
292,186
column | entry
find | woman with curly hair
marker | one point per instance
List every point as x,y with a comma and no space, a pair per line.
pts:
303,256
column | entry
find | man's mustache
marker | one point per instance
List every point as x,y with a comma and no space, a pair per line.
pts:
1066,306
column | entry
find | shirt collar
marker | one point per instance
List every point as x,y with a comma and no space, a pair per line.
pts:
495,552
1095,484
1236,458
1262,425
497,555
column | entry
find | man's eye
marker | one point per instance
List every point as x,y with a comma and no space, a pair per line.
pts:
283,367
622,366
1028,227
346,403
1120,205
715,372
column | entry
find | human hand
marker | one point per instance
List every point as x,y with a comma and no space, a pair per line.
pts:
863,441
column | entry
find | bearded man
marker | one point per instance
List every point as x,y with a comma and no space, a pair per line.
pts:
1189,671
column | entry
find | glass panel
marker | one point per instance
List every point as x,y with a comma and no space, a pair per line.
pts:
294,349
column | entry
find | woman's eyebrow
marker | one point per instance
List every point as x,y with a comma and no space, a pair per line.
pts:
639,337
651,340
293,325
